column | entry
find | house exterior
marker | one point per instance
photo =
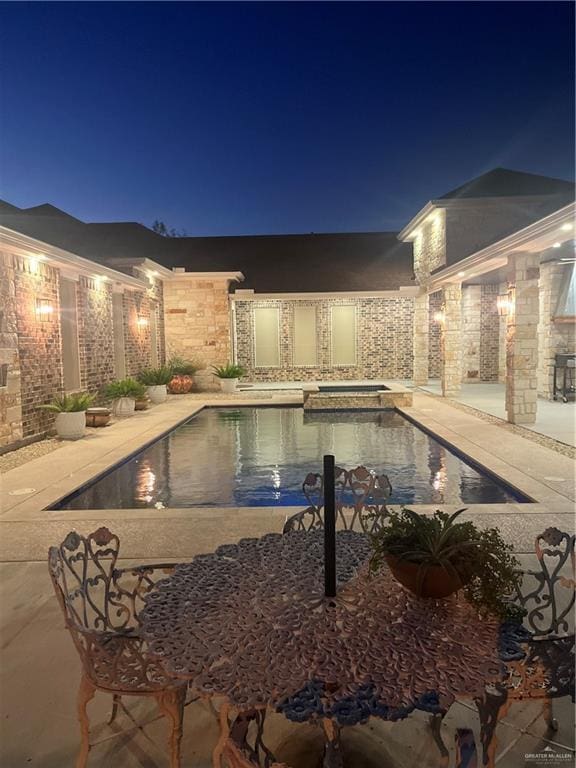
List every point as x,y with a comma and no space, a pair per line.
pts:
476,287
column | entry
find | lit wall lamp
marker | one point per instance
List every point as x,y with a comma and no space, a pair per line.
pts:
505,302
44,310
439,317
142,322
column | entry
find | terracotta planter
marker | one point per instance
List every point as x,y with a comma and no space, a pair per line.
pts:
98,417
228,385
71,425
123,406
437,581
142,404
180,384
157,394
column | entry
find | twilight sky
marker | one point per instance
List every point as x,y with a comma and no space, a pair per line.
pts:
252,118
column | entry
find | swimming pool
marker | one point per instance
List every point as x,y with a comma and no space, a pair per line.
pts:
259,456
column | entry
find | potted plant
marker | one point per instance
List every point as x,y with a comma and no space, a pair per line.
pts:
123,394
182,372
156,380
142,401
70,422
228,375
436,555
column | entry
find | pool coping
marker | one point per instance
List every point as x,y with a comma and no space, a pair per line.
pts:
58,474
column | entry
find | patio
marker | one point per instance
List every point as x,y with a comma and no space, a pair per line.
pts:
41,667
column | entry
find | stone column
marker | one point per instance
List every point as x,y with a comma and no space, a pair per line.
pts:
522,340
451,337
502,324
421,330
471,303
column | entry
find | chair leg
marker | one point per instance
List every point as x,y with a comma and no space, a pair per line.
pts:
548,715
115,701
171,704
85,694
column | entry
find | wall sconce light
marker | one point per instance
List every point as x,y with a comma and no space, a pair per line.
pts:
505,302
142,322
44,310
439,317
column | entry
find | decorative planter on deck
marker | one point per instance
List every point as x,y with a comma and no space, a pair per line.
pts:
98,417
157,394
71,425
228,385
436,581
123,406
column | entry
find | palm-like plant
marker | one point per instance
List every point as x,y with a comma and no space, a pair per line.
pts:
124,388
228,371
155,377
73,403
181,367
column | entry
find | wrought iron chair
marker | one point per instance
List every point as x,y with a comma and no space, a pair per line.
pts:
361,497
101,605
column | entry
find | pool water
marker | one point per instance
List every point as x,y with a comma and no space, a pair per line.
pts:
255,457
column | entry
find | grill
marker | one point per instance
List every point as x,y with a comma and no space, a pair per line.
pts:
564,376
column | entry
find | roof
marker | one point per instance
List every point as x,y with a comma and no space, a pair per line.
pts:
366,261
358,261
503,182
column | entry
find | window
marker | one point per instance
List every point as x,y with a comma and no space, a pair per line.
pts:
69,329
118,326
343,342
266,337
305,336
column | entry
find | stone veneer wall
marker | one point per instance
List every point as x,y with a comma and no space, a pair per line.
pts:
95,333
489,334
197,323
384,341
10,395
38,341
553,337
434,339
429,246
155,298
471,324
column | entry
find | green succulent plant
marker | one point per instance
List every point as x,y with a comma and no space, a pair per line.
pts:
155,377
77,401
228,371
480,557
124,388
181,367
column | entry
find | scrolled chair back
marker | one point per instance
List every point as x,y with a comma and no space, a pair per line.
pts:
547,593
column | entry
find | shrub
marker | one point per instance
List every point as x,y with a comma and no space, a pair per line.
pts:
155,377
228,371
124,388
78,401
181,367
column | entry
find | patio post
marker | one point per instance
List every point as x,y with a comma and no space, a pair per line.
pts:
522,338
451,340
421,340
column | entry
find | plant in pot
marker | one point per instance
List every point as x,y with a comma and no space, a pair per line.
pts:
228,375
436,555
182,375
70,422
156,380
123,394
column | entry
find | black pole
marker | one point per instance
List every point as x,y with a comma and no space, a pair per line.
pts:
329,527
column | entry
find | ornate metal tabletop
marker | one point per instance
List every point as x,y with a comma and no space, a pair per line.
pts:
250,622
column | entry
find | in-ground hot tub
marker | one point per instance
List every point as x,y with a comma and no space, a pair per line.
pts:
334,397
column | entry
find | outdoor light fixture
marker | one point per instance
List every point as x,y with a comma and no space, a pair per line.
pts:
34,262
439,316
44,309
557,245
461,274
505,302
567,227
142,322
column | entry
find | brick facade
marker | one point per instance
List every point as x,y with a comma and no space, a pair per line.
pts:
489,334
95,333
384,339
434,340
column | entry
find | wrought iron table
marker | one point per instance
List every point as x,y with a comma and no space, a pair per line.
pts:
250,623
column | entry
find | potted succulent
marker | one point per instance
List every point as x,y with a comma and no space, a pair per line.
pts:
70,422
142,401
123,394
156,380
228,375
436,555
182,375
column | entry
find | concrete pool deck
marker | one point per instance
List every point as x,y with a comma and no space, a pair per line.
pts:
40,667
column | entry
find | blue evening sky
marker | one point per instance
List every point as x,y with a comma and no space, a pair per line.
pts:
257,118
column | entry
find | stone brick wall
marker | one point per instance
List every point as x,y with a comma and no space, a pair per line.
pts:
471,310
10,395
489,334
136,308
384,341
38,340
553,337
434,341
155,299
95,333
429,246
197,323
